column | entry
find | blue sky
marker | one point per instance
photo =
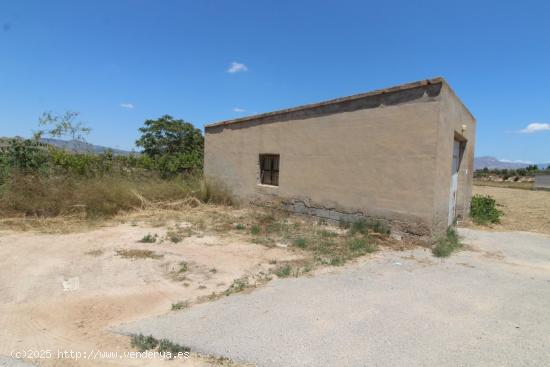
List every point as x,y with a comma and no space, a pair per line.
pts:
121,62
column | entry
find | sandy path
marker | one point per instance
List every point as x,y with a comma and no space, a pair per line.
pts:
37,313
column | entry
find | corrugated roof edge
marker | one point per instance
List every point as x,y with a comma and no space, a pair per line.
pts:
396,88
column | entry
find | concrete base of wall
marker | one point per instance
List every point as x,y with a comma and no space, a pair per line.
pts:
415,231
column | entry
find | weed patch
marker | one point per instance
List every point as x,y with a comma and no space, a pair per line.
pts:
283,272
361,245
184,267
237,286
300,242
149,238
180,305
166,346
255,230
363,226
144,343
138,254
447,244
174,237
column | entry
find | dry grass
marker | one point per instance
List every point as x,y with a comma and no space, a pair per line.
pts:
67,204
95,252
523,210
138,254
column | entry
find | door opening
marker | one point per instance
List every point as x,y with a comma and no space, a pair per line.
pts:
457,145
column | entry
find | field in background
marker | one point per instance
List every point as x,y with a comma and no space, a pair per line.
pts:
505,184
524,210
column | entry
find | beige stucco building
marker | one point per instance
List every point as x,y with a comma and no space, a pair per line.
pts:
402,154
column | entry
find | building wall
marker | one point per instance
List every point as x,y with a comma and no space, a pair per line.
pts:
453,115
542,182
378,162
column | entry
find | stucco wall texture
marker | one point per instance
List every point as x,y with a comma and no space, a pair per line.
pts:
384,154
542,182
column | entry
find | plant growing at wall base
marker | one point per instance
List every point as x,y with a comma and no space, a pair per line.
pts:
445,245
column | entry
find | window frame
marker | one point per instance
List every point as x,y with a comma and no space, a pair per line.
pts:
269,176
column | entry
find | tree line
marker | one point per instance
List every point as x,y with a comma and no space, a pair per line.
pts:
506,173
169,147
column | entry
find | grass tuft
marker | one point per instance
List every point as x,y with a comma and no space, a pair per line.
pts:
138,254
255,230
180,305
361,245
149,238
237,286
184,267
284,271
143,343
445,246
300,242
166,346
174,237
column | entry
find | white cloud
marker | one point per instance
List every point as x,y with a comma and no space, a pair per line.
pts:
237,109
127,105
237,67
535,127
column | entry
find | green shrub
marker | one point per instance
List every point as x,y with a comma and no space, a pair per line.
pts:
483,210
444,246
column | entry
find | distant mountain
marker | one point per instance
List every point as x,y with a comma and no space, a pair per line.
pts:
72,145
82,147
494,163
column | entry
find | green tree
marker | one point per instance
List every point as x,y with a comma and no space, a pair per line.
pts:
175,145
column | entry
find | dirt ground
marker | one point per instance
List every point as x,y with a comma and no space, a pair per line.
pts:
524,210
64,291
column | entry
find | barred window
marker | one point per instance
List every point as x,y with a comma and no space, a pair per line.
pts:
269,169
